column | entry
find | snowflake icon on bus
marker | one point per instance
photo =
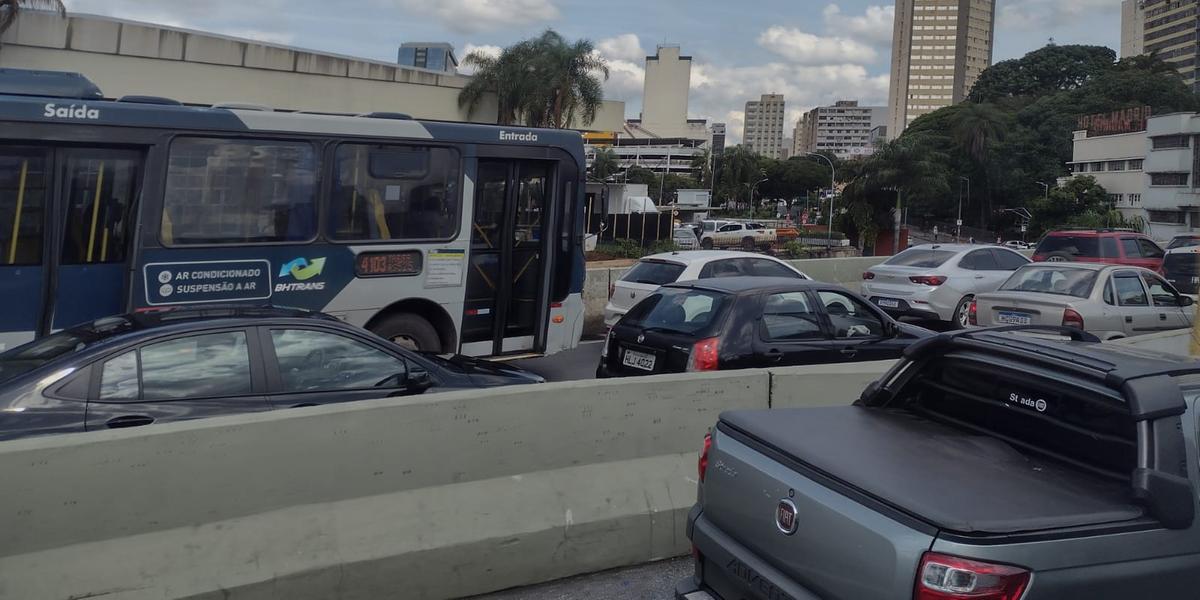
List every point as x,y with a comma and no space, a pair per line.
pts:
302,269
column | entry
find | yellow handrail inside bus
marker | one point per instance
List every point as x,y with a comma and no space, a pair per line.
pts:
104,245
385,232
95,212
168,228
16,230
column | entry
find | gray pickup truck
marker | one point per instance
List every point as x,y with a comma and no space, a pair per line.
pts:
987,465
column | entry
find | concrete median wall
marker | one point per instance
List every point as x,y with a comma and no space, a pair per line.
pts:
432,497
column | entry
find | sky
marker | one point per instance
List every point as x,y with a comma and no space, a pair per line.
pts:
813,51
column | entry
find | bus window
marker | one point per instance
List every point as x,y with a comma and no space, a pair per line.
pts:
395,193
100,189
22,205
234,191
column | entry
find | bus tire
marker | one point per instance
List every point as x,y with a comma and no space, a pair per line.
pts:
410,331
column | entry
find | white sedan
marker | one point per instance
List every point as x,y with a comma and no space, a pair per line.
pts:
660,269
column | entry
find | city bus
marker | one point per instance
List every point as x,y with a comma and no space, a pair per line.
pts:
445,237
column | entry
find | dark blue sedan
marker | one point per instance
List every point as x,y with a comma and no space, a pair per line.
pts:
189,363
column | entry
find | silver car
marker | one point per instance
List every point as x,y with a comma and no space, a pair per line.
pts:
1110,301
938,281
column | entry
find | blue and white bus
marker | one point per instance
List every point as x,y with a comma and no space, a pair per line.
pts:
447,237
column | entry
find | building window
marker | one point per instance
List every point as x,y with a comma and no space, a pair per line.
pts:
1170,141
1116,165
1135,164
1173,217
1116,198
1135,199
1169,179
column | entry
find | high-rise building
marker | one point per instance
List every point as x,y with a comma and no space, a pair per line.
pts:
799,133
1169,32
843,129
939,48
1133,21
435,56
718,139
763,129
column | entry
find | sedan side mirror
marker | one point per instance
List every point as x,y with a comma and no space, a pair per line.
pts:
418,381
1186,301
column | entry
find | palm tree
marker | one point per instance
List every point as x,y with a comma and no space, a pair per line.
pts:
542,82
605,163
977,127
702,163
11,9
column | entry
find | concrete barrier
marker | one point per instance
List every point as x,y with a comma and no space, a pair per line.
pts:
431,497
1177,341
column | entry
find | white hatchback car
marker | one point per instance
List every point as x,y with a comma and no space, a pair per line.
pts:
939,281
660,269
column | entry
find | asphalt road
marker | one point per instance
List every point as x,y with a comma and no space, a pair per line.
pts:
653,581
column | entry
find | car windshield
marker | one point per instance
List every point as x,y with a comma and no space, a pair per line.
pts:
28,357
679,311
1184,242
926,258
1072,245
1063,281
654,272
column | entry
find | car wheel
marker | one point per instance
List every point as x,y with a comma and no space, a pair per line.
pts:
962,314
748,244
1060,257
707,244
409,331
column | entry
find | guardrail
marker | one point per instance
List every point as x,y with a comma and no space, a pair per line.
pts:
428,497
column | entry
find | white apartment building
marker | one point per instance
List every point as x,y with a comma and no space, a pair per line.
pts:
1172,198
843,129
1116,161
763,129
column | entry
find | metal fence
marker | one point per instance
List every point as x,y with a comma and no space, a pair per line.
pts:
644,228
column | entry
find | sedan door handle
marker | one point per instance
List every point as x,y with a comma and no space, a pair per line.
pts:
849,351
1162,316
1128,319
774,355
129,421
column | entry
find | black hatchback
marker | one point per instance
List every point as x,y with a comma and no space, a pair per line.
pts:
748,322
189,363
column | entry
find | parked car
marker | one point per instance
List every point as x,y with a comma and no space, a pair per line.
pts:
938,281
685,238
188,363
1184,240
985,465
747,236
1112,246
745,322
660,269
1109,301
1181,267
1017,245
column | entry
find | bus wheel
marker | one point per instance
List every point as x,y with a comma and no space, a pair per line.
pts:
410,331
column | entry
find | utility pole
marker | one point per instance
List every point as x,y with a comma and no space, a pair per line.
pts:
958,223
1046,187
896,229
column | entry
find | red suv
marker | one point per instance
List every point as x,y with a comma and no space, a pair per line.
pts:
1112,246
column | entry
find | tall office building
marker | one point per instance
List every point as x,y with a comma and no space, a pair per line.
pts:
718,139
1169,28
435,56
939,48
843,129
799,134
763,129
1133,21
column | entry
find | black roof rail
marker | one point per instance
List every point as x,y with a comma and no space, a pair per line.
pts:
387,115
135,99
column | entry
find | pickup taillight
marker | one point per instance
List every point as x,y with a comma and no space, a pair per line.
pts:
943,577
702,465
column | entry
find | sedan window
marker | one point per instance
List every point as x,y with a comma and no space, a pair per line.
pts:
119,378
1161,291
731,267
1009,261
850,316
789,316
979,260
1129,289
1064,281
312,361
202,366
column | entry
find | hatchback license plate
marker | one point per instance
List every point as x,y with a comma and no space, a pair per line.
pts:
888,303
1014,318
638,360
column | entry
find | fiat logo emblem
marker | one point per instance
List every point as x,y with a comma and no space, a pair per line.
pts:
641,338
785,517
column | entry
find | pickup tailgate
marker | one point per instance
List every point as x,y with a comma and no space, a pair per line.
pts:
871,490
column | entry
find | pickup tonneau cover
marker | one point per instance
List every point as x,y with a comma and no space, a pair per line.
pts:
953,480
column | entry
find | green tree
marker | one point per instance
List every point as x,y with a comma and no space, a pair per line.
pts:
740,169
10,10
1046,70
541,82
605,164
1081,202
912,167
702,163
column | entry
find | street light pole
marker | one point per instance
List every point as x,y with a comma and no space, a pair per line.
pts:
958,223
1046,195
832,193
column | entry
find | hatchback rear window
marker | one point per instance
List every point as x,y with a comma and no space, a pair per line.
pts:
920,257
654,272
1071,245
1064,281
1183,242
670,310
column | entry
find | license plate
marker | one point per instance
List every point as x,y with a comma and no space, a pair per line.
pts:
1014,318
638,360
888,303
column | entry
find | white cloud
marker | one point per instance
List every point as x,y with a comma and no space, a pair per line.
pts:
625,47
626,67
1044,14
875,25
486,50
471,16
808,49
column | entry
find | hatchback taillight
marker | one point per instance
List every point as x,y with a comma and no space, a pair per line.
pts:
933,280
1072,319
944,577
702,465
704,355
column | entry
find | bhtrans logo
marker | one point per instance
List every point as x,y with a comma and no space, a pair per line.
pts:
301,269
74,111
514,136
